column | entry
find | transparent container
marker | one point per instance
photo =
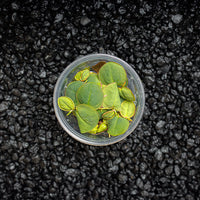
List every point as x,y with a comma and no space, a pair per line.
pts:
70,124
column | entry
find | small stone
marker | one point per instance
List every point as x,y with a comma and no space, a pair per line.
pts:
66,54
36,159
158,155
58,18
3,106
12,166
42,89
3,124
43,74
177,170
15,6
114,169
85,20
122,178
160,61
16,92
160,125
139,183
15,156
24,96
168,170
177,18
71,172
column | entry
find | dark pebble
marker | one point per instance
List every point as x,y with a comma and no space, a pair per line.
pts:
160,125
85,20
122,178
3,106
177,18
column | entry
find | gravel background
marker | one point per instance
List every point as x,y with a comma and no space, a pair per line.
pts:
160,160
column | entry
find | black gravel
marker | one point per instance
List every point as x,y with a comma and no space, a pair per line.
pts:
160,160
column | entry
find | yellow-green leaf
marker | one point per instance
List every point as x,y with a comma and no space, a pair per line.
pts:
94,130
109,114
126,94
100,112
66,103
127,109
102,127
82,75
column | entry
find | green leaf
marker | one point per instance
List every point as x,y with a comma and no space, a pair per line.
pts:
97,67
100,112
82,75
72,89
112,72
87,117
117,126
109,114
127,109
102,127
93,78
91,94
111,97
85,74
126,94
65,103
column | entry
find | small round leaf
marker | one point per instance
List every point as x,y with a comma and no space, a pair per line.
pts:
112,72
66,103
127,109
126,94
108,115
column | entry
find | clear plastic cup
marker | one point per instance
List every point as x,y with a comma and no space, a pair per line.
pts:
70,124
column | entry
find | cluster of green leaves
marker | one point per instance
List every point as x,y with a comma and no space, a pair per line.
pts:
100,100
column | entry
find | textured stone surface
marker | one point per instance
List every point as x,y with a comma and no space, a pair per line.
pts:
160,39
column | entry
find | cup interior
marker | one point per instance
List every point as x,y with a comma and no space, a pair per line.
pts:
70,124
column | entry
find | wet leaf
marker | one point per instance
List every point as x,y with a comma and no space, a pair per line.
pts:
87,117
91,94
93,78
72,89
112,72
82,75
126,94
109,114
117,126
127,109
65,103
97,67
111,97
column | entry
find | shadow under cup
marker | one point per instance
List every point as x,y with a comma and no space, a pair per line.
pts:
70,124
